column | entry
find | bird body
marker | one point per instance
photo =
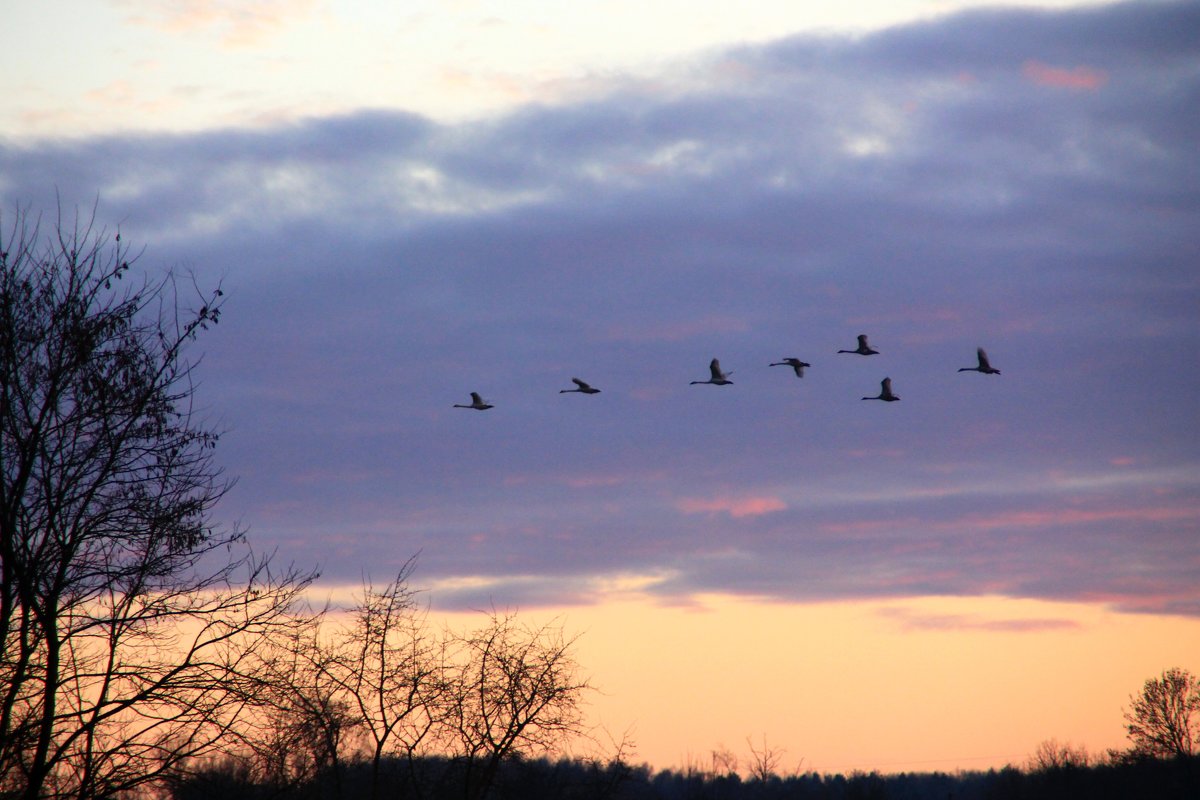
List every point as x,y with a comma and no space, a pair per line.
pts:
885,392
718,378
983,367
582,387
796,364
863,348
477,403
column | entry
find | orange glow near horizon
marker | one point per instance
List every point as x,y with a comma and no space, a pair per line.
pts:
925,684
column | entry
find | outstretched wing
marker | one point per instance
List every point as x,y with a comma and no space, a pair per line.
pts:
983,359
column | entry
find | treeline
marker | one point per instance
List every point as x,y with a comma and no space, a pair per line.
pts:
579,779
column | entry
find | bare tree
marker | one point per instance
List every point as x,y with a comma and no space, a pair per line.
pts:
1052,754
614,764
388,668
375,680
724,761
333,689
302,726
126,618
764,761
1164,720
514,689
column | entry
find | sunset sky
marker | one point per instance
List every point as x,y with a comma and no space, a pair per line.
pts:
408,202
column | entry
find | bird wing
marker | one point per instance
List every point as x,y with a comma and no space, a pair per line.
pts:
983,359
715,368
580,384
862,341
475,398
887,386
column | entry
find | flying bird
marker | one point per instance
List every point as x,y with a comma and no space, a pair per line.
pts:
477,403
984,366
795,363
718,378
885,392
583,388
863,348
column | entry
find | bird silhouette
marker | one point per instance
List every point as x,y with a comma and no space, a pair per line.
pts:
718,378
583,388
984,366
796,364
477,403
885,392
863,348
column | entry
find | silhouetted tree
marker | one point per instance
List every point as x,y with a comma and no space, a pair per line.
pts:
374,685
724,761
125,617
514,689
302,724
1164,720
1052,754
764,761
388,668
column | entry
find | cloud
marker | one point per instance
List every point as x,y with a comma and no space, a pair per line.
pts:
116,93
1077,78
525,591
916,621
736,507
239,24
1059,518
380,265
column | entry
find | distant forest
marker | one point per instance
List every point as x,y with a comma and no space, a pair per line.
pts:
544,779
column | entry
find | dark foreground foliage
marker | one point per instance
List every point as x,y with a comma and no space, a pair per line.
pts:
542,779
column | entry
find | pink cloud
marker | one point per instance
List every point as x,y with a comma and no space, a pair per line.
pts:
961,622
1073,516
116,93
733,506
1084,79
240,24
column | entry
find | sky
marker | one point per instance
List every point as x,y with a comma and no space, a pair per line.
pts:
405,205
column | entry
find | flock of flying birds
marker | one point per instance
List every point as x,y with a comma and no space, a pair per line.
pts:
720,378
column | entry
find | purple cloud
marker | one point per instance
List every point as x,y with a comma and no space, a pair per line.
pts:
925,185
